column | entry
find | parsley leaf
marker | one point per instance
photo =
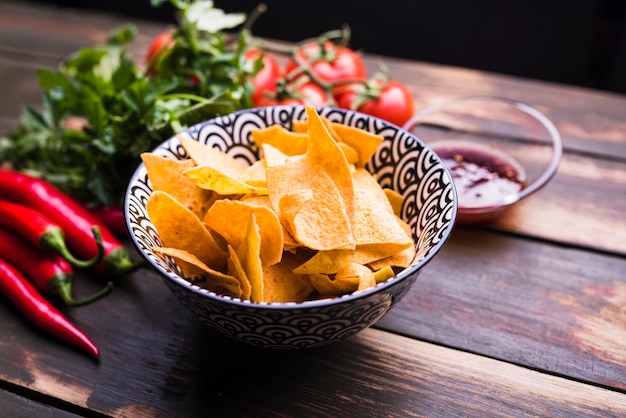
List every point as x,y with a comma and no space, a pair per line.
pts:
100,110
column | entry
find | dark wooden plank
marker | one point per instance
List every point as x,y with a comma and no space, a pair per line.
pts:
159,360
545,306
47,33
583,205
16,406
590,121
579,205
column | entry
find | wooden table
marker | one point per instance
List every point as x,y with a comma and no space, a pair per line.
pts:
525,316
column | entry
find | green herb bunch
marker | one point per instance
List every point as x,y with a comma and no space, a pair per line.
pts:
124,109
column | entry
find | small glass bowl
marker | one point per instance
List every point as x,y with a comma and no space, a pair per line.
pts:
499,151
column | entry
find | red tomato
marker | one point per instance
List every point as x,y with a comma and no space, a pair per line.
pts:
265,80
390,100
330,62
162,41
305,93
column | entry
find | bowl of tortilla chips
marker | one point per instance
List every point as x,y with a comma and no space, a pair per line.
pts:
290,226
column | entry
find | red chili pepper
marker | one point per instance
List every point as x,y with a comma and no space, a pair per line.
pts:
44,233
72,217
113,218
50,272
32,304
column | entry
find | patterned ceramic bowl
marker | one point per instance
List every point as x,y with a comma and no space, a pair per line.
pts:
402,162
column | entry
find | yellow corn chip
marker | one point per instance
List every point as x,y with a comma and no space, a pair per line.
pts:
288,142
365,143
229,218
180,228
395,200
235,269
165,174
216,281
249,256
210,178
281,285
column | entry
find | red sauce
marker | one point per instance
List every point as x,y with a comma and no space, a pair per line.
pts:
483,176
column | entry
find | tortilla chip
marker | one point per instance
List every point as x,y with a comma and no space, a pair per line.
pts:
249,254
180,228
165,174
396,200
313,195
354,271
376,223
281,285
216,281
288,142
329,262
229,218
211,178
203,154
365,143
289,242
255,175
236,270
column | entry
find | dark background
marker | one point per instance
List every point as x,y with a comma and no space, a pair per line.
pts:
578,42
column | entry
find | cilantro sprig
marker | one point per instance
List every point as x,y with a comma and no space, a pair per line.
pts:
125,109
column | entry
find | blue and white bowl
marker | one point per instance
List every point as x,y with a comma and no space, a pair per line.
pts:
402,162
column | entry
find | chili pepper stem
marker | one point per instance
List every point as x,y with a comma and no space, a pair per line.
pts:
54,239
118,263
61,285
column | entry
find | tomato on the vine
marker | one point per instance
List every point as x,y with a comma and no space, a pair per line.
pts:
297,93
386,99
161,42
330,62
265,81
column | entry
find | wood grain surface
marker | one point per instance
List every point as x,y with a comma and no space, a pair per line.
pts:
524,316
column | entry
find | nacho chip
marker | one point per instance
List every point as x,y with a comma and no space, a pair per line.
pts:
403,258
288,142
327,286
281,285
249,254
314,194
329,262
395,200
350,153
235,269
216,281
376,223
216,170
180,228
350,278
314,216
359,272
255,175
211,178
365,143
229,218
203,154
165,174
289,242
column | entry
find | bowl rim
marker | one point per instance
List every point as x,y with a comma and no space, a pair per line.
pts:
405,274
549,171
